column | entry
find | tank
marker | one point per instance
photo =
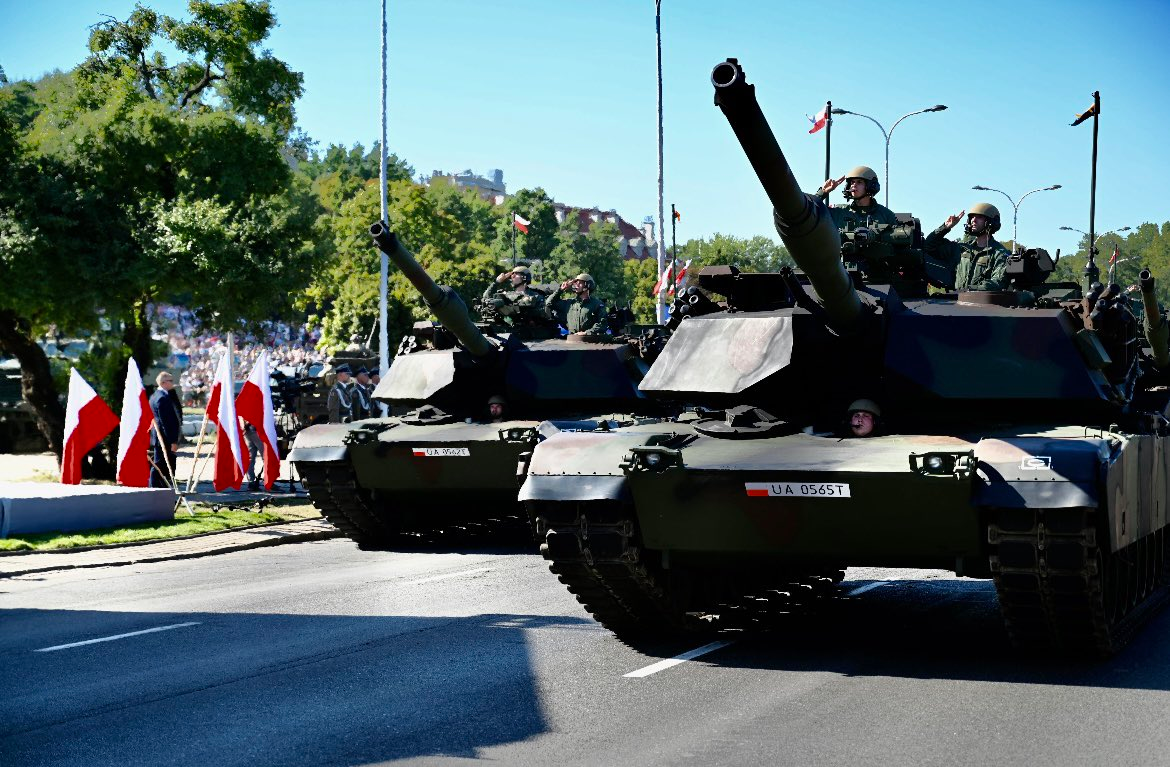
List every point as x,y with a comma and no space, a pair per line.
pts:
438,461
1020,438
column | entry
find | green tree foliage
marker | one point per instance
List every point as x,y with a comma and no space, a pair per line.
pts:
1146,247
337,174
440,239
533,205
596,252
141,178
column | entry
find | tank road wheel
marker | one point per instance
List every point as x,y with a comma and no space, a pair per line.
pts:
1060,586
594,550
334,491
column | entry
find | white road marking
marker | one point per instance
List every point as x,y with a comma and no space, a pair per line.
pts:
661,665
865,588
118,636
449,575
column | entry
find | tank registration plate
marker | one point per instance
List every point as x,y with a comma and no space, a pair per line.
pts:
441,452
797,489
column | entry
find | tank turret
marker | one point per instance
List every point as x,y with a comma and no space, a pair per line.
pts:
803,222
442,300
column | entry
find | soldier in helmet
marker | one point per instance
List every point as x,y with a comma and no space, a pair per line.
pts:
583,314
979,261
863,417
341,396
497,406
512,293
861,188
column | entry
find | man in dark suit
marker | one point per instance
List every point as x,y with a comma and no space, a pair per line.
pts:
169,421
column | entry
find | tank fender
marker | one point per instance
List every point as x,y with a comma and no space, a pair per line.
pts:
1040,472
1138,489
579,466
321,443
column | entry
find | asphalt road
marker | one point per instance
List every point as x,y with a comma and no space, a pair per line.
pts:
318,653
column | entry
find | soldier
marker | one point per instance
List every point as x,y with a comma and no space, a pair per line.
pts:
497,405
863,417
362,404
861,187
517,297
341,396
583,314
979,261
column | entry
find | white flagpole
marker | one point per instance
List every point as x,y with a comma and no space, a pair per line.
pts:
384,269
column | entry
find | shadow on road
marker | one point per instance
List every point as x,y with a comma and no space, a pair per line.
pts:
265,689
938,630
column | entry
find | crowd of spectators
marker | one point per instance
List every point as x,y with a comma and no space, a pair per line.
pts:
194,353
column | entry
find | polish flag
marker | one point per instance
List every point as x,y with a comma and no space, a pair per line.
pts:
662,278
134,434
521,223
88,420
231,454
819,121
679,277
254,404
1113,258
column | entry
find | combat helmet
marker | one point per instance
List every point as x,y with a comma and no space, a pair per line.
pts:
590,283
987,210
868,175
867,405
523,271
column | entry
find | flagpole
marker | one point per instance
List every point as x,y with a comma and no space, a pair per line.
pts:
673,245
384,264
1092,273
660,299
513,240
828,136
198,448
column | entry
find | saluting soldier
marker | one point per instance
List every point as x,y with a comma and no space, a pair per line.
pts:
341,396
512,293
861,188
584,313
979,261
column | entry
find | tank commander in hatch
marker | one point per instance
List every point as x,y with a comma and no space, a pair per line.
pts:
515,288
863,416
340,400
583,314
980,262
497,407
861,188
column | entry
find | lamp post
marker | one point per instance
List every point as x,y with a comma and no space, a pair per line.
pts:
886,183
660,299
1093,244
1016,205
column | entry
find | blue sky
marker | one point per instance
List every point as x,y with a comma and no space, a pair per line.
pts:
562,95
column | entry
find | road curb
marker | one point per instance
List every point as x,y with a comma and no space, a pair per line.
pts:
254,537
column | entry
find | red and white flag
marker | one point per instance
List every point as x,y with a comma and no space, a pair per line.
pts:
1113,258
520,222
134,434
88,419
231,454
678,278
254,405
819,121
662,279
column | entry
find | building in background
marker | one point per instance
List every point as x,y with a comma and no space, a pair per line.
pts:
490,187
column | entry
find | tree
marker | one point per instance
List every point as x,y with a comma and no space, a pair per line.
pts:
597,252
535,206
153,179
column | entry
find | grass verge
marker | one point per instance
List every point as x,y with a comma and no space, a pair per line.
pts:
204,521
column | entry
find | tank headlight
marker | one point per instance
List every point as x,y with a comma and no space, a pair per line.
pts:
652,459
934,462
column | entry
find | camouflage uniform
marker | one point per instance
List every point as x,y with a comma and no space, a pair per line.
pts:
530,303
577,315
853,215
975,268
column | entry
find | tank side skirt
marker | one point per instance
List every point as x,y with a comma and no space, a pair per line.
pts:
334,491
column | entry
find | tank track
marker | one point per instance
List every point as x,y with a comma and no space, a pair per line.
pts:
1060,587
594,549
334,491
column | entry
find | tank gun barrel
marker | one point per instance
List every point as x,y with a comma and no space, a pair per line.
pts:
803,223
442,300
1156,327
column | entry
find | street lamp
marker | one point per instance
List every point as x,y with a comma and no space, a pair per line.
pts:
886,184
1093,250
1016,205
